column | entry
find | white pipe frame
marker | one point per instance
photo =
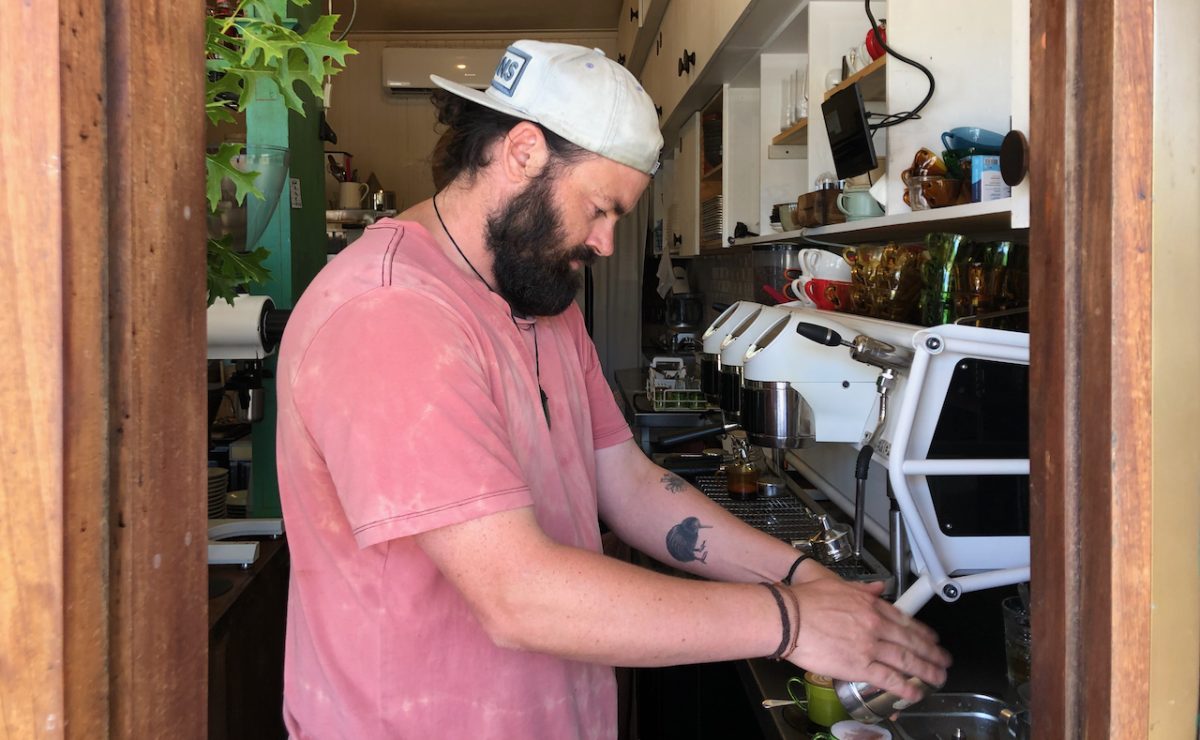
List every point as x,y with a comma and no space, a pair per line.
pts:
904,470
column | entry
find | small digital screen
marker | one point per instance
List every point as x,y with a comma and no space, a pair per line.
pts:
849,135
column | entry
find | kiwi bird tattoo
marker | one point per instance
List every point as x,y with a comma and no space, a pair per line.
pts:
681,541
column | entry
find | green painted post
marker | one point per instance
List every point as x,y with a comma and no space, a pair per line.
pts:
294,236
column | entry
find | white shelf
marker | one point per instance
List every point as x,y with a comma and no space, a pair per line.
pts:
993,217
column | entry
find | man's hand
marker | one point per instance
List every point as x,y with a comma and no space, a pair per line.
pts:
848,632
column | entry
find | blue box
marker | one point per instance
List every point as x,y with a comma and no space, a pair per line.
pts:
986,182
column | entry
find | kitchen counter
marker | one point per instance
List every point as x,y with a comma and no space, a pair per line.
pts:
647,424
246,615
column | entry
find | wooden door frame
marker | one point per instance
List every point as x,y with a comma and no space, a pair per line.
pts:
103,631
1091,96
103,584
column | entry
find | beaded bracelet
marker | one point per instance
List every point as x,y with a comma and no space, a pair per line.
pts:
787,580
787,622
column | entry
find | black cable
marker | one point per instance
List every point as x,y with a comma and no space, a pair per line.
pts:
894,118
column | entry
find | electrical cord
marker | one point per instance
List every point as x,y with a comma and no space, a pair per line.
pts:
892,119
818,242
349,23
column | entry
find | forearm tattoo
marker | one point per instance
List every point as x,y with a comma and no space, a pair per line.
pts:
682,541
673,483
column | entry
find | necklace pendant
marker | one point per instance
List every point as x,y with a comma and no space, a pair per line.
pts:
545,405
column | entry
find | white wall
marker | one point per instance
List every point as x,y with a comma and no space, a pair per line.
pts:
783,180
968,46
835,27
393,136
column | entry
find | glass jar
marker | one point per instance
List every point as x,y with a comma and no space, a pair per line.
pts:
742,480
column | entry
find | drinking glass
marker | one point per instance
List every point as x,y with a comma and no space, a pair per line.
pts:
1017,641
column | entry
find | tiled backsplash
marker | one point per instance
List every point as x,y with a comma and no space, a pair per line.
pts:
722,279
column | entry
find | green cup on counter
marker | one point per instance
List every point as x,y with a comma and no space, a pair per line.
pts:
824,708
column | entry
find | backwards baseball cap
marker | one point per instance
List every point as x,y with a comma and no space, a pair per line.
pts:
577,93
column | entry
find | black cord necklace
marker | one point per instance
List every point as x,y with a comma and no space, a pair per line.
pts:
537,363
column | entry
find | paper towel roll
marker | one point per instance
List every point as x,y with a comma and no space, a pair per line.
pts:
236,332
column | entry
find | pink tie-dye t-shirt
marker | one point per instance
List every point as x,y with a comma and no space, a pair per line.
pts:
408,401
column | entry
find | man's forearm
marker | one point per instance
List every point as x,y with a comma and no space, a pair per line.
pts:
668,519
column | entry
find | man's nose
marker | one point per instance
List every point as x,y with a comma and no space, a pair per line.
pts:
600,240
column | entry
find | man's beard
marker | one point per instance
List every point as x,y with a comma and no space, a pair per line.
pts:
531,267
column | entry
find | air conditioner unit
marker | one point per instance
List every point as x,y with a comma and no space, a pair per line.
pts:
407,70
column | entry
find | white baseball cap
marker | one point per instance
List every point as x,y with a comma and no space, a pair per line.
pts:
579,94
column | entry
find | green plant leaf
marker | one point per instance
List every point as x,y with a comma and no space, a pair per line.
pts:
319,45
220,166
265,43
252,80
295,70
229,270
218,112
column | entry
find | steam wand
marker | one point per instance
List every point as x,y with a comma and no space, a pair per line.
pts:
890,359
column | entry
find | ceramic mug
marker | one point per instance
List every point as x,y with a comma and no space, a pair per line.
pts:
795,291
829,295
824,707
819,263
351,194
858,204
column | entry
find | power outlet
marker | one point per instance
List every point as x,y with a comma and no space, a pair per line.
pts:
297,201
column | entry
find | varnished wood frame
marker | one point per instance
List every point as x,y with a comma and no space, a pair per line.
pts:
103,629
1091,142
101,583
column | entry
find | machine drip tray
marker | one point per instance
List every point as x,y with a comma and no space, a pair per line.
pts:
786,518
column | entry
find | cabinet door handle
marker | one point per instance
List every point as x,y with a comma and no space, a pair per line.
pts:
677,239
633,14
621,59
686,62
658,110
658,44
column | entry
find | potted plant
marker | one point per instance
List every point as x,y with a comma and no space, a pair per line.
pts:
250,46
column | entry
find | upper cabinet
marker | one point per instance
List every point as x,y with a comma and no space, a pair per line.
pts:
637,29
755,53
688,38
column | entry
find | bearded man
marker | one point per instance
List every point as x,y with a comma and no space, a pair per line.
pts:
447,445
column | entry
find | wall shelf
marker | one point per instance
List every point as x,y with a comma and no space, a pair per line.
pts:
797,133
992,218
871,81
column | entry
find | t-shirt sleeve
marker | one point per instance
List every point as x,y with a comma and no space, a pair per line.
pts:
394,393
608,423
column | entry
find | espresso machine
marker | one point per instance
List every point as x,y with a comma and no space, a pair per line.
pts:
894,390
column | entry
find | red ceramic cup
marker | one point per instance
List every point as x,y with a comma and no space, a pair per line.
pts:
829,295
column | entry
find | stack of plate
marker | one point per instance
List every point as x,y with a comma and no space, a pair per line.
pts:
712,221
235,504
218,486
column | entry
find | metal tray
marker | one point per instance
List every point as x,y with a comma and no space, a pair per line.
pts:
948,716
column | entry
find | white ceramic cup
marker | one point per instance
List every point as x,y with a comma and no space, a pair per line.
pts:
796,291
351,194
818,263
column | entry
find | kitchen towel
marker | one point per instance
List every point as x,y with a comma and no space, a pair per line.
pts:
666,275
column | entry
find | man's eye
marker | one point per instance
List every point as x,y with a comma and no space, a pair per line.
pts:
599,213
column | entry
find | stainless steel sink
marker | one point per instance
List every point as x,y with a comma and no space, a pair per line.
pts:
953,717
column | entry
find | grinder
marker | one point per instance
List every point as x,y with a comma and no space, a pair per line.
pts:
709,356
733,354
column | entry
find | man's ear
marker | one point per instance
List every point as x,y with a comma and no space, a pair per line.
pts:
524,151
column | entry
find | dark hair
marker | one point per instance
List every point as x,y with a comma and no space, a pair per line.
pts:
471,129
